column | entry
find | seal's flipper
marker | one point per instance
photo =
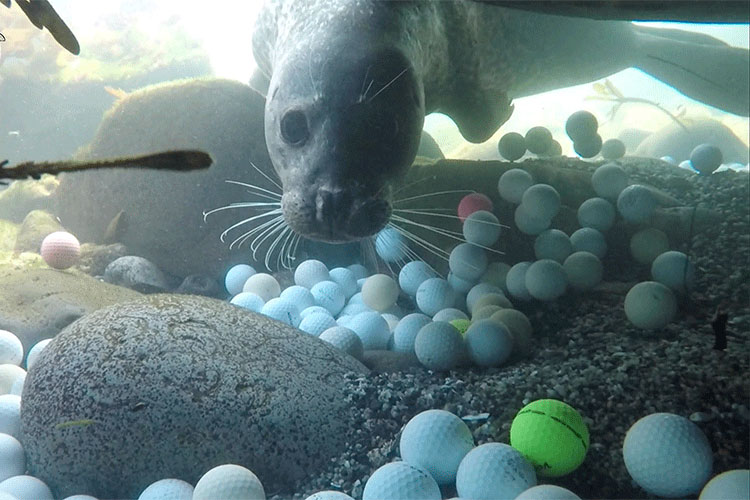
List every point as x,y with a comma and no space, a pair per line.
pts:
477,115
697,65
42,15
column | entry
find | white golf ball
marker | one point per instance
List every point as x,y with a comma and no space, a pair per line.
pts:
667,455
344,339
482,228
263,285
546,280
583,270
650,305
358,270
449,314
636,203
460,285
406,331
609,180
401,481
236,277
492,471
281,310
10,415
468,261
529,222
168,489
229,482
8,376
372,330
35,351
314,309
732,484
478,291
488,343
330,295
597,213
675,270
310,272
647,244
316,323
542,200
391,245
435,294
11,349
414,274
513,183
345,279
547,492
495,275
436,441
439,346
23,487
552,244
12,457
249,301
515,280
299,295
588,239
380,292
329,495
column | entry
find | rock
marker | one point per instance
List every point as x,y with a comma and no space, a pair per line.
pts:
136,273
34,228
197,284
164,209
36,304
95,258
21,197
672,140
389,361
173,385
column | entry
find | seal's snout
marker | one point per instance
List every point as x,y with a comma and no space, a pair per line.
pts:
341,216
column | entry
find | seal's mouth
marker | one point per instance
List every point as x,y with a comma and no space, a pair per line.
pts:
334,216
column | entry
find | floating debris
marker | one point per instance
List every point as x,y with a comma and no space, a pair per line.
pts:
170,160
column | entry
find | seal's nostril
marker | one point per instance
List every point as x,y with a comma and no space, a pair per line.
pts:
294,128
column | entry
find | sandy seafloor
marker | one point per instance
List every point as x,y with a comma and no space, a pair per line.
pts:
587,354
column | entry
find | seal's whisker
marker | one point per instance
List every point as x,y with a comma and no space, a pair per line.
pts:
437,193
362,91
284,231
267,176
412,183
267,193
430,247
276,212
243,204
388,84
248,234
243,237
455,217
262,231
444,232
262,237
286,254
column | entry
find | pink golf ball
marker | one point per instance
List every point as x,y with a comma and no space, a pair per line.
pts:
60,250
472,203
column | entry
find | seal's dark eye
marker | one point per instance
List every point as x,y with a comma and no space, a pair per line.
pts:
294,128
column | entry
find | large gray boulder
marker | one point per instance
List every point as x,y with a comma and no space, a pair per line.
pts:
171,386
164,209
37,302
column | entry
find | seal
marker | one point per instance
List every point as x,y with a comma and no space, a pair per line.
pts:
349,83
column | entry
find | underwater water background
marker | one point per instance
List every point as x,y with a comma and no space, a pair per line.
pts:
582,347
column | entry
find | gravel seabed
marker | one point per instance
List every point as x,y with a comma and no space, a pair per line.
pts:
587,354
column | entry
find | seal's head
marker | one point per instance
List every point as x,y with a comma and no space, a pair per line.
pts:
342,127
